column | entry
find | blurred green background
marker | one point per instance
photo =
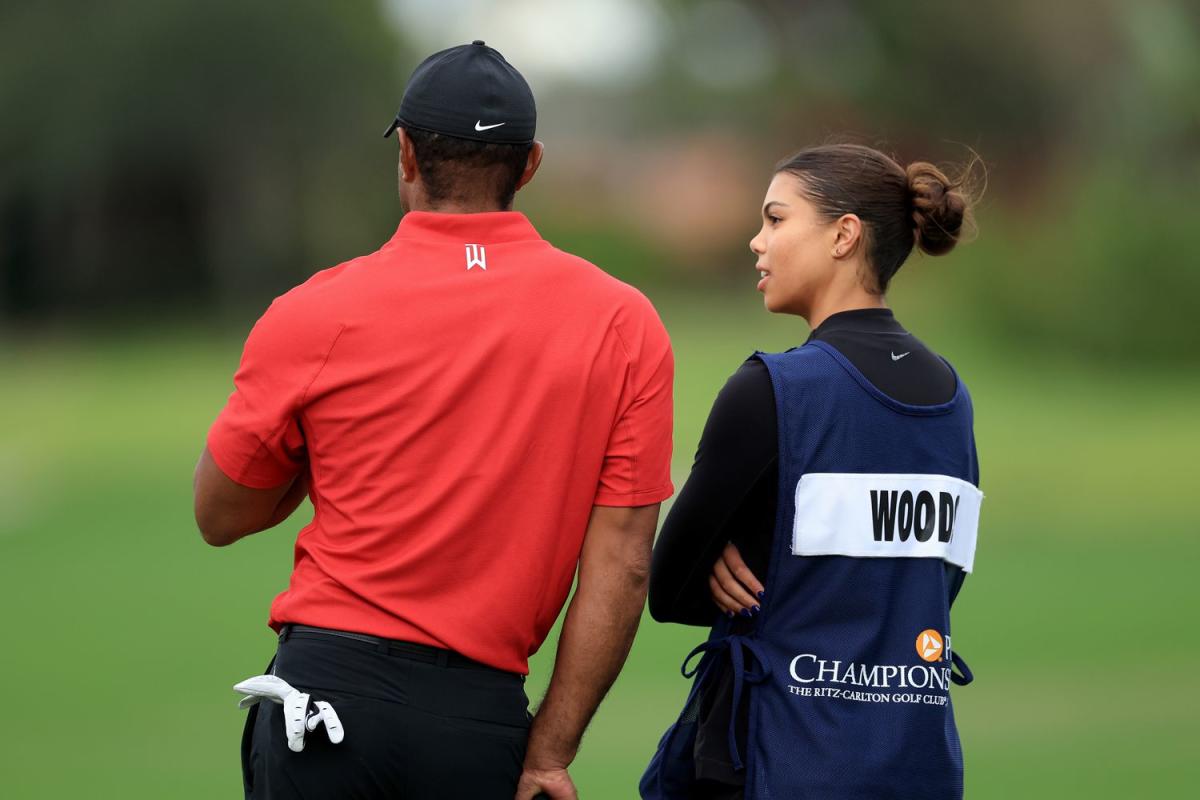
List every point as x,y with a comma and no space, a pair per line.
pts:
167,169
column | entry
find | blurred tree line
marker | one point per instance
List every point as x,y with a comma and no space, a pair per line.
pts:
187,153
199,155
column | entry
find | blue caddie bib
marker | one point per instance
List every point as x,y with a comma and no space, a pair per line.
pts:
848,668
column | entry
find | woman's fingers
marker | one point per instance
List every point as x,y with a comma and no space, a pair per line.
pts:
721,597
733,560
732,586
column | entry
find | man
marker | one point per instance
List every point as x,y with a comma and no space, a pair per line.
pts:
473,413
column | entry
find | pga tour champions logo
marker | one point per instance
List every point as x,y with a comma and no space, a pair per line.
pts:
929,645
476,257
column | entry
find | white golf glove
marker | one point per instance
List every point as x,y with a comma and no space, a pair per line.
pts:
297,719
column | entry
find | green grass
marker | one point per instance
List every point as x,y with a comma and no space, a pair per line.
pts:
123,632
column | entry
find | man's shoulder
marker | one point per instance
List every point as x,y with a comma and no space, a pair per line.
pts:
323,290
603,287
311,313
326,281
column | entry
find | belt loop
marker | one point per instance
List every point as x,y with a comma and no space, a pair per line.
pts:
443,658
383,646
284,633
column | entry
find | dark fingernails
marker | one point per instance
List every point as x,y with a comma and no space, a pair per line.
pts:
756,610
745,612
729,614
762,594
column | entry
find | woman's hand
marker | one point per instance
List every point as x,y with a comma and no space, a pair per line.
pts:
734,588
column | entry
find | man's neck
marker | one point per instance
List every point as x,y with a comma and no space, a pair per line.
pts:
457,207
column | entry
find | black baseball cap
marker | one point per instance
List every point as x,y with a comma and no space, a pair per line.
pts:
468,92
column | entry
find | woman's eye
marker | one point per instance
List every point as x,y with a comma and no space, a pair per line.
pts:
773,219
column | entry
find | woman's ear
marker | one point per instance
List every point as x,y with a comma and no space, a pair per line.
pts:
847,235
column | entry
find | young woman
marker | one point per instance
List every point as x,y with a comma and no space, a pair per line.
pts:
830,515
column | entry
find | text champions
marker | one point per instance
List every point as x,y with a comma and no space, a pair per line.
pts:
808,668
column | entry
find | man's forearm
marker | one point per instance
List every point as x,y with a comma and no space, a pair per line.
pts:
601,622
289,502
227,511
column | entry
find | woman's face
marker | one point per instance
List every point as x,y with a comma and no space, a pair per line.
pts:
794,249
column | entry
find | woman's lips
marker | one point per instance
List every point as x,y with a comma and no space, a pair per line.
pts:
763,279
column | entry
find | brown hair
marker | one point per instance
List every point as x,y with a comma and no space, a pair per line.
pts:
899,206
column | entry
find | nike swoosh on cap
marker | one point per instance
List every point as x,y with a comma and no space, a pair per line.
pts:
479,126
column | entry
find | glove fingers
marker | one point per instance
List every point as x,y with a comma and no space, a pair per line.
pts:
268,686
333,724
295,707
248,701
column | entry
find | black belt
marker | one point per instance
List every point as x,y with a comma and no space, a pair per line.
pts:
393,647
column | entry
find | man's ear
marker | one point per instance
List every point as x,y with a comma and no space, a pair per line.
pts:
408,157
532,163
848,229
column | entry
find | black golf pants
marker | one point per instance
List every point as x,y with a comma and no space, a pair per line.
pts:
420,723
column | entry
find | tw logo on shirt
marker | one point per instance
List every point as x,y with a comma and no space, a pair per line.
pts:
476,257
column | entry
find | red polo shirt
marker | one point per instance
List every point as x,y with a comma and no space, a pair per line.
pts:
460,399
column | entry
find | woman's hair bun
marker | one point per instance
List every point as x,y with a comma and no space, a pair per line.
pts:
939,208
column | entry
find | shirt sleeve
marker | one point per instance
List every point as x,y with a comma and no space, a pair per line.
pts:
637,462
257,439
737,451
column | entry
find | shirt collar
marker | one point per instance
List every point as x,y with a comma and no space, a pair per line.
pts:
488,227
862,320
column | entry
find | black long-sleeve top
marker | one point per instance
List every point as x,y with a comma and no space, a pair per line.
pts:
731,493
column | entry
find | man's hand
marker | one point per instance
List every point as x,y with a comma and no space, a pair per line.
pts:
601,621
298,719
554,783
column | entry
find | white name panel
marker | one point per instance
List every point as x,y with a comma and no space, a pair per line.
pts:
867,515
